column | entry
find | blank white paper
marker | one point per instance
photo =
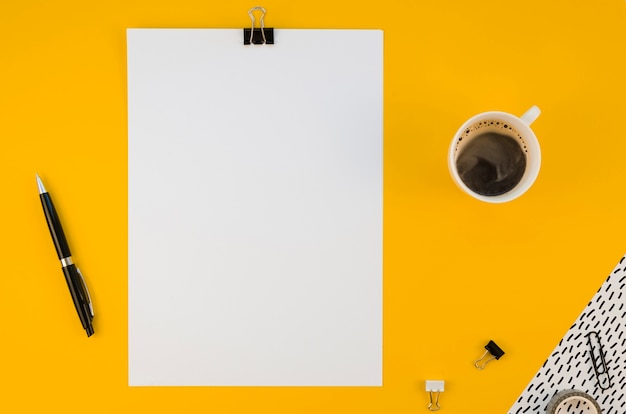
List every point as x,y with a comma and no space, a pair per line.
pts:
255,208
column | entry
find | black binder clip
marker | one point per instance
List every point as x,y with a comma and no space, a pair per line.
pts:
597,359
258,35
494,350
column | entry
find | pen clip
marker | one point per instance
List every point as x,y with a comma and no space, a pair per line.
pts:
86,290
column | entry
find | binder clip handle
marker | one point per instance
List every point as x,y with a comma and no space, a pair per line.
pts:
491,349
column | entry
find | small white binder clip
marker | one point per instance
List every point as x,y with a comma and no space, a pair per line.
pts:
434,388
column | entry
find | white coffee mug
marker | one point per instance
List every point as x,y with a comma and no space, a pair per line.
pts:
495,156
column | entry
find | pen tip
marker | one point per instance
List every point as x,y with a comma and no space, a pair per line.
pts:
42,189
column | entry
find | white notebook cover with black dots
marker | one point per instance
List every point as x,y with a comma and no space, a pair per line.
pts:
570,364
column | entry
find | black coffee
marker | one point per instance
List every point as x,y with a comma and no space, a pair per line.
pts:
491,164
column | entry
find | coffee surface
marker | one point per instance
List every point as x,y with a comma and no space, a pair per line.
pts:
491,164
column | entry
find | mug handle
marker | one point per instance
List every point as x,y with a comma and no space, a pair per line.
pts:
530,115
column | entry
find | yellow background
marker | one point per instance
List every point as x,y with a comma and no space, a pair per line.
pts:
457,272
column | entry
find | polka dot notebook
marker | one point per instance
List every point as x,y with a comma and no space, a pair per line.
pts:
591,357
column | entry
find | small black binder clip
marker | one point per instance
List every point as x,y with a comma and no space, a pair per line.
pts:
598,361
258,35
492,349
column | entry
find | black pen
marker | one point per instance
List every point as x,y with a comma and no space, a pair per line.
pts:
73,277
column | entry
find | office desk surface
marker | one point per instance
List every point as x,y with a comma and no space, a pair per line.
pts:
457,272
